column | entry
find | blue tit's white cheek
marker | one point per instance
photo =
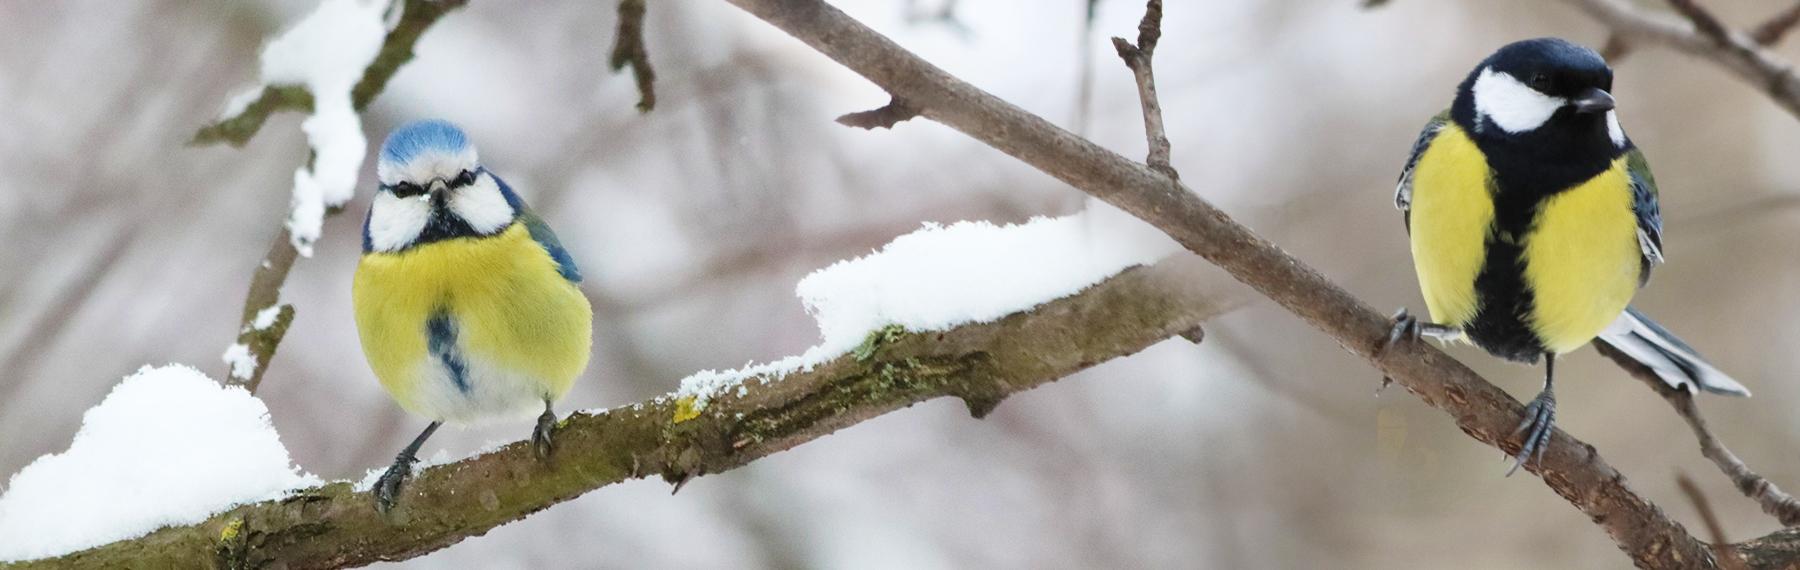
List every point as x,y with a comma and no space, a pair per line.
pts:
1511,105
396,222
482,205
1613,130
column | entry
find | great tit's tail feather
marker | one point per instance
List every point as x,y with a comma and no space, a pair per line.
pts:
1679,365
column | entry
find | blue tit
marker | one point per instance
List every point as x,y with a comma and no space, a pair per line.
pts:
466,302
1534,220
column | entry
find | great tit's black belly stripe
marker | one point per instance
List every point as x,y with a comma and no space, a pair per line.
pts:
1521,184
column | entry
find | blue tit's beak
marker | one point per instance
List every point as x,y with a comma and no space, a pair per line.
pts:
439,192
1594,100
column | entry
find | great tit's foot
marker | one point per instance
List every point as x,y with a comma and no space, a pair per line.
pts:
540,436
387,488
1406,327
1540,418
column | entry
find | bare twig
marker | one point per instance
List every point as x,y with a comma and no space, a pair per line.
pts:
1138,59
1722,547
628,49
1615,49
1572,468
1704,21
396,49
1776,27
261,331
1732,50
336,526
885,117
1084,88
1771,498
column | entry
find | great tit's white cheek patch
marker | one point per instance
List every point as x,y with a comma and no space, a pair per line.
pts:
427,166
396,222
1614,130
1513,106
482,205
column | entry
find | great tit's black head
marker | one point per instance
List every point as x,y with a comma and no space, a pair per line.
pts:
1541,88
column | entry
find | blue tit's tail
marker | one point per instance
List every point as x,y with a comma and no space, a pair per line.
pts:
1678,364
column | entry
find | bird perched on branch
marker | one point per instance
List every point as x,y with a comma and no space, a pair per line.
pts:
465,300
1533,221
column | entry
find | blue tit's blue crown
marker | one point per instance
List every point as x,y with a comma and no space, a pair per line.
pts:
418,138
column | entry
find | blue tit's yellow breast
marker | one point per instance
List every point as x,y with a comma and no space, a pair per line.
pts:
1582,259
511,307
1452,209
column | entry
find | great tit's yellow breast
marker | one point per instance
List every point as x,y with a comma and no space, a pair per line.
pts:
1582,259
1451,211
515,316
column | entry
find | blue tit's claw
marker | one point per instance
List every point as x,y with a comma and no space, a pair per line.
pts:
541,440
1539,421
387,488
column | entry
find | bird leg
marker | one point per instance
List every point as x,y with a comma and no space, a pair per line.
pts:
1540,418
387,488
540,436
1411,329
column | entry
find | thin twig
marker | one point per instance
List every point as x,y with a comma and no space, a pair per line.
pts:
1084,88
1703,20
1737,52
1776,27
1615,49
1771,498
628,49
1138,59
885,116
1727,556
258,333
396,49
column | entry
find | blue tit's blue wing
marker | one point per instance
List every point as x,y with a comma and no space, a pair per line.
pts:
1403,190
1649,215
541,233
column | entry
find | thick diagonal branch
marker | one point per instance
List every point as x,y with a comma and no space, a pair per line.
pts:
1572,468
335,526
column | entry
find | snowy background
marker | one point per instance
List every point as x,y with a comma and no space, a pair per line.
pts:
1263,447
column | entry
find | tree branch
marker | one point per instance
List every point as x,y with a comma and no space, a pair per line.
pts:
1777,26
1703,36
335,526
628,49
1771,498
396,49
885,116
1571,468
1138,59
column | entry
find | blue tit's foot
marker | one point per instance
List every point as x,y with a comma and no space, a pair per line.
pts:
540,436
387,488
1540,419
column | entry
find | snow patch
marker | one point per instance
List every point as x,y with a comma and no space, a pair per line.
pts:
941,277
168,446
266,317
327,52
241,361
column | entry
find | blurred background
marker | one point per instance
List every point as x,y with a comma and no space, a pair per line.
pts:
1263,447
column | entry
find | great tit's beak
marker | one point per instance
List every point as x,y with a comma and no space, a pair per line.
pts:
1594,100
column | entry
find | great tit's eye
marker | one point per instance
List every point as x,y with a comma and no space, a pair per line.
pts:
407,190
463,179
1540,81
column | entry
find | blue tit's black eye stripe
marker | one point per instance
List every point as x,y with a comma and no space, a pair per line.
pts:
464,178
406,190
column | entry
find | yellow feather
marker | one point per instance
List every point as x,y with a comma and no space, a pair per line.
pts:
1582,260
511,307
1452,207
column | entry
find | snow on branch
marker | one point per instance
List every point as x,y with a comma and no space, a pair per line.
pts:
335,526
168,446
